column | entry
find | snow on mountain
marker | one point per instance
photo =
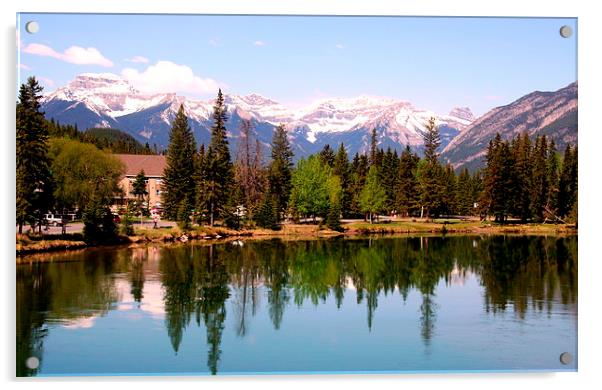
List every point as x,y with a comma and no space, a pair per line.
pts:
105,99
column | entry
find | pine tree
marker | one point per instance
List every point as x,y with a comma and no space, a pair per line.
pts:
327,155
497,180
450,189
359,171
200,179
521,193
388,177
219,169
407,189
464,193
540,185
432,141
552,165
431,174
33,179
567,186
179,185
342,169
267,213
280,169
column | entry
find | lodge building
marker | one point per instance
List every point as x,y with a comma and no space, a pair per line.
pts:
153,167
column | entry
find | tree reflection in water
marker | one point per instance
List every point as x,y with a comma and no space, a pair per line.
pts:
518,272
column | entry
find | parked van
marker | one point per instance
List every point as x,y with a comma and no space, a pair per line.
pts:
53,219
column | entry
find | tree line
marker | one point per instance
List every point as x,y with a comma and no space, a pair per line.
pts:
523,180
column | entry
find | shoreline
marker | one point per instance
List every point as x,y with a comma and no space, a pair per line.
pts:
290,232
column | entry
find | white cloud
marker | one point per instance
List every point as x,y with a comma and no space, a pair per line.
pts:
166,76
23,66
73,55
339,46
46,81
138,60
214,42
259,43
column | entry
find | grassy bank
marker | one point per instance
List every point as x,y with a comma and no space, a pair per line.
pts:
26,244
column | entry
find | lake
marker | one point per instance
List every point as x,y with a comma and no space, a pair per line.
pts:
395,304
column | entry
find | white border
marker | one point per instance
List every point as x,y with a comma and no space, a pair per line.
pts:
590,143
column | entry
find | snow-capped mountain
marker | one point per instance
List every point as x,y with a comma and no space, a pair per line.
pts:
107,100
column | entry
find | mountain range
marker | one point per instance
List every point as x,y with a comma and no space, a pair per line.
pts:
107,100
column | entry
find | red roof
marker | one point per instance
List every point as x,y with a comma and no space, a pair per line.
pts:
152,165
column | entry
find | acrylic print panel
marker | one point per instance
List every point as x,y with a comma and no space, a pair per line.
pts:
206,194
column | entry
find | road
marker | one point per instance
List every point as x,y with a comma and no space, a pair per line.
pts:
78,227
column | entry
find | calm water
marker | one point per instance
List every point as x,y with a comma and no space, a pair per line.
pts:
387,304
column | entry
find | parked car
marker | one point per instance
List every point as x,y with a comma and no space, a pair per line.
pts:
53,219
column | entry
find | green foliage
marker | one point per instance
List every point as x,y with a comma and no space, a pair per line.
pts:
431,176
99,226
567,185
373,196
183,215
342,169
359,171
407,188
82,172
432,141
464,201
111,140
314,185
179,185
280,169
327,156
126,225
267,214
139,185
34,187
218,166
389,177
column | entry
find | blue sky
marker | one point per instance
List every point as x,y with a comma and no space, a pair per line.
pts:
436,63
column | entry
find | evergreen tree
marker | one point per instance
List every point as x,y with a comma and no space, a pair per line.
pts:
33,179
389,179
552,165
359,171
497,180
407,188
373,196
432,141
200,179
464,193
267,214
139,185
521,191
450,183
431,174
327,155
280,169
567,185
540,185
219,169
342,169
179,185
